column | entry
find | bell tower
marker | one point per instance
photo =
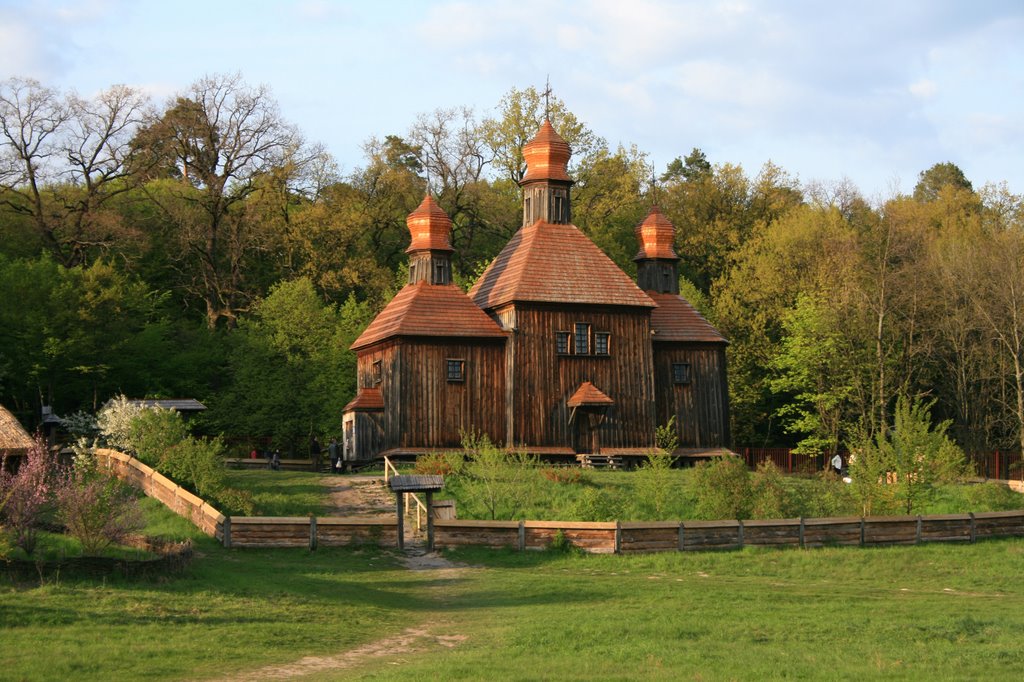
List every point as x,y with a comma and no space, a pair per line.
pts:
430,252
547,183
657,265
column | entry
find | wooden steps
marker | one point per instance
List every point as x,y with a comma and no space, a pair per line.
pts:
589,461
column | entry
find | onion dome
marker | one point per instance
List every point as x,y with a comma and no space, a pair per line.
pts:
547,156
656,235
430,227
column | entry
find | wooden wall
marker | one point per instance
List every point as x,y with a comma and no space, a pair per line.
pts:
701,408
541,380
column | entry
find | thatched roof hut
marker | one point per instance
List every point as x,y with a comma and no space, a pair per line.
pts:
13,436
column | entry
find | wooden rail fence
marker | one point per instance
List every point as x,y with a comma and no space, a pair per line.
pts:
686,536
594,537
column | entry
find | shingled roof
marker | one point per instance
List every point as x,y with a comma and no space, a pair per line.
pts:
366,400
676,320
546,156
588,394
551,263
656,236
430,227
13,435
424,309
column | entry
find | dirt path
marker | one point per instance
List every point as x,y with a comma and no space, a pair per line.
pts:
367,496
409,641
359,496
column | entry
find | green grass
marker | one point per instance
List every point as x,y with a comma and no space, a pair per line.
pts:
928,612
282,493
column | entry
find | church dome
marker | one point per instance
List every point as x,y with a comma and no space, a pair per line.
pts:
656,236
430,227
547,156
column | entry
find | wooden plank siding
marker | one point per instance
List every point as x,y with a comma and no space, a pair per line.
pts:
701,407
541,380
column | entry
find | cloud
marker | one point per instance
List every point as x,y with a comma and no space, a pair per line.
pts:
924,88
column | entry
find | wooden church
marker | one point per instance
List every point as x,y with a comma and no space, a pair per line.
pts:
555,350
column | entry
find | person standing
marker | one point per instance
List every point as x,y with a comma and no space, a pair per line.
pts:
314,453
332,451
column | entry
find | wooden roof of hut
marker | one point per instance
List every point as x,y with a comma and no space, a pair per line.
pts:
13,435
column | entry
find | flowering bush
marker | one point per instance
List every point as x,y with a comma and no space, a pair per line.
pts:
96,509
24,495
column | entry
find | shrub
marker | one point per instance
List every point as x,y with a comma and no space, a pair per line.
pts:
153,432
655,484
563,475
115,422
195,463
722,489
770,498
234,501
440,464
24,495
500,482
96,509
595,504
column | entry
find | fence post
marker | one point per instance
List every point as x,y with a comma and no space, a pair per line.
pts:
618,537
312,533
227,532
801,532
862,531
789,454
740,521
522,536
917,538
682,536
974,532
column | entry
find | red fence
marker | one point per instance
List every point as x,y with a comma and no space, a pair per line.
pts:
999,464
784,458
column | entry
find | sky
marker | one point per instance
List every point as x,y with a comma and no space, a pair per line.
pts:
871,91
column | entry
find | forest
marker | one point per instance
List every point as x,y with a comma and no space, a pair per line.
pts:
202,247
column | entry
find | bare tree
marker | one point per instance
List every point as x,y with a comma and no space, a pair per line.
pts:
222,137
63,158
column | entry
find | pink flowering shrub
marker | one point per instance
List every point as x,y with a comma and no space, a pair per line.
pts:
24,495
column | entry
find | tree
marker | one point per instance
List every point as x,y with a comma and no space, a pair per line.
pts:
519,116
23,495
931,182
221,136
291,372
62,159
910,459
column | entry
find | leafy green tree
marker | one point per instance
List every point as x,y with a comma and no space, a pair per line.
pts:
499,482
722,489
290,370
816,367
931,182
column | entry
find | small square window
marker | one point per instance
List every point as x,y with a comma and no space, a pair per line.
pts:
601,343
456,370
376,372
681,372
582,338
562,343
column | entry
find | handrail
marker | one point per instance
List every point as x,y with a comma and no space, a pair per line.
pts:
419,503
419,506
389,465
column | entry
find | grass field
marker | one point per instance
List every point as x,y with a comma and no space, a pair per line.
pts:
927,612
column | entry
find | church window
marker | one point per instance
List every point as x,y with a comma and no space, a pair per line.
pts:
376,374
456,370
601,343
562,343
582,338
681,372
440,272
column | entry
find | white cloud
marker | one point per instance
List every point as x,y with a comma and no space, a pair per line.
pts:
924,88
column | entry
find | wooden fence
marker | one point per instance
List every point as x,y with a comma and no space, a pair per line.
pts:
686,536
249,531
156,485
